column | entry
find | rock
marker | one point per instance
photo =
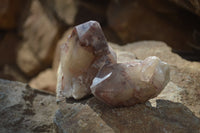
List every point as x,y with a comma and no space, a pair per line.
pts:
11,72
171,93
40,36
143,49
111,35
23,109
95,117
183,73
61,10
176,109
46,81
79,118
74,12
142,20
9,43
191,5
92,10
162,6
12,12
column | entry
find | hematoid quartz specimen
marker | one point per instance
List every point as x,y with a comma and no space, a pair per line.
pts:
88,65
84,54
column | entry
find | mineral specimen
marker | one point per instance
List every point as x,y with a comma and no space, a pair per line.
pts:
88,65
84,54
125,84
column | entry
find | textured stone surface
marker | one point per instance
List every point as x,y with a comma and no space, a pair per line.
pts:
23,109
93,116
40,34
176,109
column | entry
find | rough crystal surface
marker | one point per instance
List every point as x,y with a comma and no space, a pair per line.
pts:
88,65
126,84
84,54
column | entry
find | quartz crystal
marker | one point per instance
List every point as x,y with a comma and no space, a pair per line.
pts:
88,65
84,54
125,84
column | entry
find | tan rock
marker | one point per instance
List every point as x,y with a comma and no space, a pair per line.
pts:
40,35
45,81
143,49
63,10
171,92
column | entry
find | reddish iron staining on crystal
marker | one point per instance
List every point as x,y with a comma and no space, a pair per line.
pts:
125,84
88,65
84,54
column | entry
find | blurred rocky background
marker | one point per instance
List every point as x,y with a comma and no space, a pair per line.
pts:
31,32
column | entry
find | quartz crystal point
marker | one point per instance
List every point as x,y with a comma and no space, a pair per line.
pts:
84,54
126,84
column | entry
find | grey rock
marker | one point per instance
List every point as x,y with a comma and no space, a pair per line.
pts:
23,109
96,117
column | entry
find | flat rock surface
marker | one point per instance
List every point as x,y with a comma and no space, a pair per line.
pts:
94,116
25,110
176,109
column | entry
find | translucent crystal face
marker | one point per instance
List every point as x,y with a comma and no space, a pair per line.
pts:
84,54
88,65
130,83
